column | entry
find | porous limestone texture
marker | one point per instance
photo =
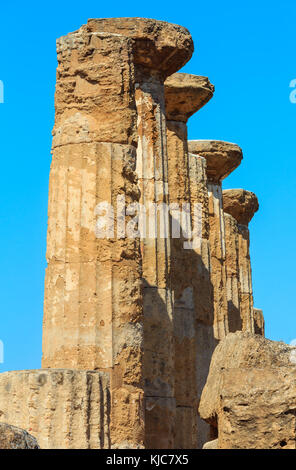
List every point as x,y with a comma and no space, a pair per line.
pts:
250,394
157,46
63,409
106,290
221,159
159,49
93,315
185,94
258,322
16,438
232,266
239,207
152,171
241,204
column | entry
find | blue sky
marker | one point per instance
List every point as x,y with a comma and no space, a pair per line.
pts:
248,52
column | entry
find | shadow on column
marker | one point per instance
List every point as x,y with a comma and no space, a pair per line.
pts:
178,348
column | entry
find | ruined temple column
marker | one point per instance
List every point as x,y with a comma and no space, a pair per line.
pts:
222,158
258,321
111,74
240,206
93,317
184,95
159,50
232,273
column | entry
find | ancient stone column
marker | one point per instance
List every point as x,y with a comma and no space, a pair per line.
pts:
159,50
110,125
184,95
93,315
241,206
258,322
233,292
203,290
63,409
222,158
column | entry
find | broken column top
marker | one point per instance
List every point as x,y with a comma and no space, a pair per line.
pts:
158,45
185,94
222,157
241,204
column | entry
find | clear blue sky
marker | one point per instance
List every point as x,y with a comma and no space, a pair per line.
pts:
248,52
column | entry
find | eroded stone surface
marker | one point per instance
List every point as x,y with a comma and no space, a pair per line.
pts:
67,409
222,157
93,287
250,393
189,268
109,141
241,204
16,438
232,264
239,207
185,94
157,45
94,98
258,321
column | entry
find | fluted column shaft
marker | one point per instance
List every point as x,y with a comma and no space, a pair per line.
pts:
158,50
239,206
232,264
93,315
245,277
217,244
186,94
152,173
222,158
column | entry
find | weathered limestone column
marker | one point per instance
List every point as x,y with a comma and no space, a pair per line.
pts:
222,158
232,266
241,206
203,290
112,72
258,321
159,50
93,315
184,95
62,408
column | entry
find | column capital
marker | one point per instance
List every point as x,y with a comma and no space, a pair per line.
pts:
185,94
222,157
241,204
158,45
